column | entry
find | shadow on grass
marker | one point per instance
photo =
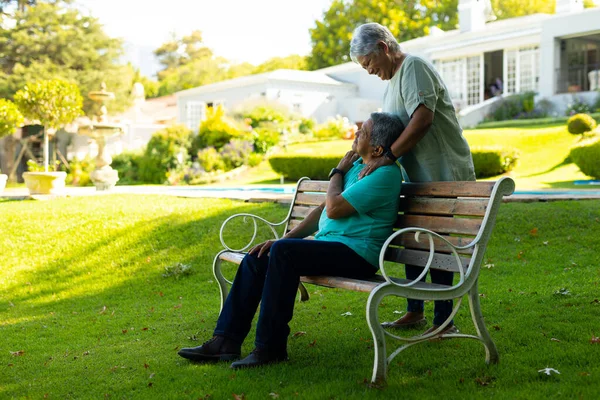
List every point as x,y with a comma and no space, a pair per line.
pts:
563,163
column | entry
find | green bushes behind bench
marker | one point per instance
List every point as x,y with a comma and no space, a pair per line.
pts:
586,155
488,162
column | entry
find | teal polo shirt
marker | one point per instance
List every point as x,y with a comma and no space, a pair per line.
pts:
375,199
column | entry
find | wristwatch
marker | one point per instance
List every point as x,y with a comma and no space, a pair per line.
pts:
336,171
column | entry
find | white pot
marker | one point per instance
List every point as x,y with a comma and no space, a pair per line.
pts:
3,179
45,182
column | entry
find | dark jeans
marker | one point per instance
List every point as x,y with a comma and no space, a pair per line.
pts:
273,281
442,308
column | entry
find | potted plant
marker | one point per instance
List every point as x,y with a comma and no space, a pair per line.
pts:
53,103
10,119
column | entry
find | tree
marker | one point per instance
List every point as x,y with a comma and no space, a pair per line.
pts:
53,103
517,8
10,118
406,20
48,41
293,61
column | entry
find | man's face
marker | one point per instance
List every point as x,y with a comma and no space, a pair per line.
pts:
379,64
362,141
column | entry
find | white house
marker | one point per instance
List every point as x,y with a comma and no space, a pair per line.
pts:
556,55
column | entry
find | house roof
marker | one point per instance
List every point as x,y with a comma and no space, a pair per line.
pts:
285,75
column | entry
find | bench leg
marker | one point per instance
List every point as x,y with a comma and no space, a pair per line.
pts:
491,353
380,360
223,288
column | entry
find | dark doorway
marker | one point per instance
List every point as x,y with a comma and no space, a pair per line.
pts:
493,62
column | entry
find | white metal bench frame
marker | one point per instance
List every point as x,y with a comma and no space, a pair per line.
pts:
384,285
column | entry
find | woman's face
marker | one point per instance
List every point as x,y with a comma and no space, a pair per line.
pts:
362,141
378,63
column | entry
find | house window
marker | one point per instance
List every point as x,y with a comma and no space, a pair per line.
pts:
194,113
474,83
510,71
453,75
522,70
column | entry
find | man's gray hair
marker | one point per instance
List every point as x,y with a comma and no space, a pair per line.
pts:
386,129
365,39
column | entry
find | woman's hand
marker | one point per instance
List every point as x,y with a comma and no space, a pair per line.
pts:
347,161
373,165
262,248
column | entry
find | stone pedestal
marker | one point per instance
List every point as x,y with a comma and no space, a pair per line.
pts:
104,178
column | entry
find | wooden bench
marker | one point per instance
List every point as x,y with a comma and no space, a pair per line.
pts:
441,225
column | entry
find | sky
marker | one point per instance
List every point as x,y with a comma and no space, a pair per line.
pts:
239,30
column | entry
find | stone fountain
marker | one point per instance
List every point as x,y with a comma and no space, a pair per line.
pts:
104,177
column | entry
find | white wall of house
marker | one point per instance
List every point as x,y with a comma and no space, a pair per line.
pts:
562,27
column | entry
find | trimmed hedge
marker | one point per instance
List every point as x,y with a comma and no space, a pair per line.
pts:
492,161
579,124
586,155
488,161
295,166
523,123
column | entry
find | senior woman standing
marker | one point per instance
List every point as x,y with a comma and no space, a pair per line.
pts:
432,146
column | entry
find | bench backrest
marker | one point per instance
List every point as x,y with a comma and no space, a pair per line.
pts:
458,211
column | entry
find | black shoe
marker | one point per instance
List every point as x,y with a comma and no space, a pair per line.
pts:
260,357
218,348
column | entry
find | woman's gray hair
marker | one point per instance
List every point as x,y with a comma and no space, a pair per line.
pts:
386,129
365,39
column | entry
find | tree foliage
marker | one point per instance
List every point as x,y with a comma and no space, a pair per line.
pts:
46,41
407,20
10,117
517,8
53,103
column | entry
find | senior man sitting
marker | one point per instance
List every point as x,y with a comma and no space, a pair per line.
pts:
353,223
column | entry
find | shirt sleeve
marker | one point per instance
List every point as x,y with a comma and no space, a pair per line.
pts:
419,86
374,190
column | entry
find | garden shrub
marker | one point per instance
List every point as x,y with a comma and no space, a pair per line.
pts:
492,161
295,166
128,166
254,159
236,153
79,171
167,149
586,155
306,125
263,139
209,160
517,106
577,106
579,124
216,130
258,113
335,128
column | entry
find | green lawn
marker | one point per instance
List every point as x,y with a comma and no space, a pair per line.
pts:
85,311
542,165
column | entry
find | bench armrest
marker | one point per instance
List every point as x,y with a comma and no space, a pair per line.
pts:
255,219
430,235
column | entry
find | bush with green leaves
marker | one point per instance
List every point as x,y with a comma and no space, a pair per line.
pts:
295,166
210,160
236,153
216,130
79,171
264,138
166,150
586,155
580,124
306,125
492,161
335,128
258,113
128,166
10,118
516,106
577,106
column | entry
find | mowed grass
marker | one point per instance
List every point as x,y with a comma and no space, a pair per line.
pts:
85,311
543,162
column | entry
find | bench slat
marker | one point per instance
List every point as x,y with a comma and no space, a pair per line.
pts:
407,240
463,226
448,189
313,186
310,199
419,258
359,285
435,206
301,211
